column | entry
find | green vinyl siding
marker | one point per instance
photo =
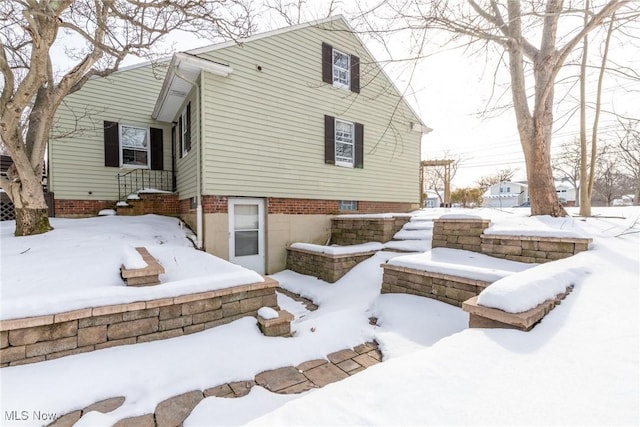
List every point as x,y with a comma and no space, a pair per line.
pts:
264,129
186,167
76,149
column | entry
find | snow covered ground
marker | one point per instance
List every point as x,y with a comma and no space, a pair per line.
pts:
579,366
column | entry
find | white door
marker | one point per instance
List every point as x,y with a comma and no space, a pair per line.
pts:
246,233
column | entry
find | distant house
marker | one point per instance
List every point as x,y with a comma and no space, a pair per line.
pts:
566,193
432,199
625,200
260,142
506,194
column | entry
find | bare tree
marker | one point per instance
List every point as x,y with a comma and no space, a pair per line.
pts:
629,153
609,182
511,27
566,164
108,31
293,11
499,176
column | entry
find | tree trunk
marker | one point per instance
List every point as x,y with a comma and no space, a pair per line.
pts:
542,192
31,211
31,221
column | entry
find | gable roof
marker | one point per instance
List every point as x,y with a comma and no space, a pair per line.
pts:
183,71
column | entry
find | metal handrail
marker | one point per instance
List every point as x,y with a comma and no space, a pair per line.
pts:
138,179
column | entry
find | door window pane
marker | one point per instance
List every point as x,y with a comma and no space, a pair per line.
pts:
245,217
246,243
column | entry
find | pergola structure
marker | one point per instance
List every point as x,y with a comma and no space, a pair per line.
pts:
447,178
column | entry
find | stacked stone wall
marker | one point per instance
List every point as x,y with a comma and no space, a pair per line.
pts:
532,248
459,233
453,290
353,231
329,268
35,339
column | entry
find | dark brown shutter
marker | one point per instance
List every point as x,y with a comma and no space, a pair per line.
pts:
157,155
355,74
111,144
327,63
329,140
359,154
187,136
180,141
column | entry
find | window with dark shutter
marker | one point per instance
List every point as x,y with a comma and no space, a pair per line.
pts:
340,69
132,146
111,144
329,140
157,156
359,152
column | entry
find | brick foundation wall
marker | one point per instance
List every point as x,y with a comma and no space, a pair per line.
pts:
532,248
353,231
329,268
291,206
81,208
152,203
215,204
41,338
458,233
453,290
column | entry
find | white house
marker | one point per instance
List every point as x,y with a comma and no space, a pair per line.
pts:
506,194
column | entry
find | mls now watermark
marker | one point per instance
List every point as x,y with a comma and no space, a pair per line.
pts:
29,416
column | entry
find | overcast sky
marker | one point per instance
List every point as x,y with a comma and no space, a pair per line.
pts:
450,89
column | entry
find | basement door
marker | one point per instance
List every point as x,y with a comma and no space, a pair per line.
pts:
246,233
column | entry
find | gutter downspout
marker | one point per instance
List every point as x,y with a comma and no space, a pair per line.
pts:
198,160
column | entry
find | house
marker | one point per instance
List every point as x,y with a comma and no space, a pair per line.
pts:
506,194
258,143
432,198
566,193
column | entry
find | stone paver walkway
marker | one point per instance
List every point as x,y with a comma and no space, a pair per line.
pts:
287,380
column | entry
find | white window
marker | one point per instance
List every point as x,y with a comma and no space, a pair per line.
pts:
134,146
344,143
348,205
341,67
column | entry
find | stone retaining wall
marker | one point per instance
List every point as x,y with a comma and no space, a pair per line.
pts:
468,234
329,268
486,317
353,231
41,338
459,233
532,248
453,290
